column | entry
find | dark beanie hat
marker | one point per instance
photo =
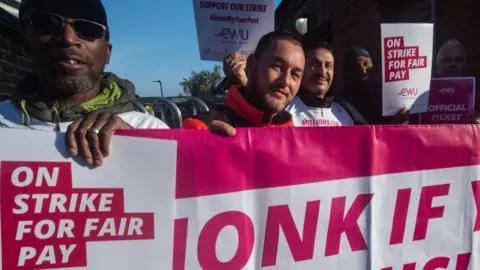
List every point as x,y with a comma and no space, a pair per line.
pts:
353,53
92,10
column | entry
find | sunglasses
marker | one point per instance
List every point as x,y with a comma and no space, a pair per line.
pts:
49,24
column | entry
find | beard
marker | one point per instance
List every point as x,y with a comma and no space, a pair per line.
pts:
75,85
64,82
72,85
264,101
273,104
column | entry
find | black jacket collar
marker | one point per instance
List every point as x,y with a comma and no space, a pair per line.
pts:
314,101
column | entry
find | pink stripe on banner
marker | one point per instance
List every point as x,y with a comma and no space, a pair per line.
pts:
265,158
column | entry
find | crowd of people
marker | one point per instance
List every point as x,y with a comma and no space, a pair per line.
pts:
360,101
307,99
286,82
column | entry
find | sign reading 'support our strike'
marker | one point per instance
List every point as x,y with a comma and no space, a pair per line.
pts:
406,69
225,27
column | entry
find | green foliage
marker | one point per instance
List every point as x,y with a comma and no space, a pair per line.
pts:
203,83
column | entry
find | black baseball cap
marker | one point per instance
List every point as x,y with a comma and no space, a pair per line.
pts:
353,53
92,10
356,52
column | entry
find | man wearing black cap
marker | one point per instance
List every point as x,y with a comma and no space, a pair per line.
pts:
357,71
68,41
362,92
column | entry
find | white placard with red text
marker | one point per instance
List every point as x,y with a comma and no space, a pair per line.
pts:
406,67
57,214
228,26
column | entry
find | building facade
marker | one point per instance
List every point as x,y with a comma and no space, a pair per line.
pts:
14,62
347,23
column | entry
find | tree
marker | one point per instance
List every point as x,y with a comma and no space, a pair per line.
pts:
203,83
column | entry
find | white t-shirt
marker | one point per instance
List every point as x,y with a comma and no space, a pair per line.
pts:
305,116
11,117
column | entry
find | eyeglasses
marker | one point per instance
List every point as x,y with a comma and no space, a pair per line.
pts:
48,24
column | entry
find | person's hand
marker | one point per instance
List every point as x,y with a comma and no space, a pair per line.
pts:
90,137
476,117
222,129
401,118
234,67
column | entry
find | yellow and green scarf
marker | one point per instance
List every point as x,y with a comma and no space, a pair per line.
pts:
116,96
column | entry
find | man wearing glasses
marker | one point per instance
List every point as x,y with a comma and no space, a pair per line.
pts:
68,41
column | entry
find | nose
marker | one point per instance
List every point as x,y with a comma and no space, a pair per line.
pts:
454,64
69,36
324,71
284,79
364,70
321,70
457,62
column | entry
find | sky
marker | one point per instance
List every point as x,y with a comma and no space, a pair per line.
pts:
154,40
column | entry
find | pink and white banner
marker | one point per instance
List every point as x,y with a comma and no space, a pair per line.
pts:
353,198
382,198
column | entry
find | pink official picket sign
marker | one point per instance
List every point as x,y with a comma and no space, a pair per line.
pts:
451,101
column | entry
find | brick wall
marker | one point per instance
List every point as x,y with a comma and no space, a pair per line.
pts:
14,64
460,20
287,13
357,23
354,23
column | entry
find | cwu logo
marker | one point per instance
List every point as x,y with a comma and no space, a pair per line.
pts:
233,34
408,92
447,91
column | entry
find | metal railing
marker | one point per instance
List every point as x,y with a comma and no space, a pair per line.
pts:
164,109
139,107
199,104
173,110
190,106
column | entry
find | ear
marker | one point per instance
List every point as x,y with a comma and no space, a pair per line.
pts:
251,63
108,52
